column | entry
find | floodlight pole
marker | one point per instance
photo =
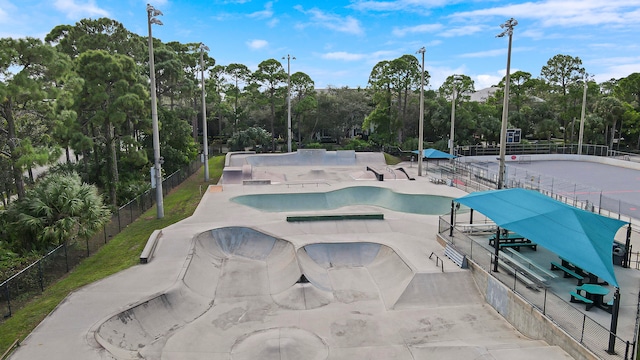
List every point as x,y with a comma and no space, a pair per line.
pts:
151,19
289,57
205,145
421,124
456,78
508,26
582,114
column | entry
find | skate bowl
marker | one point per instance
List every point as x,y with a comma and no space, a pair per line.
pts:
238,263
423,204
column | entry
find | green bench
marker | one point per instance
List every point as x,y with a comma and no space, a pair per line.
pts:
567,272
517,245
303,218
575,297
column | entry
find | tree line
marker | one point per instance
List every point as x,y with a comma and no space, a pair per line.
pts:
83,93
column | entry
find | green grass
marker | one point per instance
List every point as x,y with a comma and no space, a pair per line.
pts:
391,160
122,252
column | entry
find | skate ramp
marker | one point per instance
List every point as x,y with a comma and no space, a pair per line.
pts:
433,290
142,331
356,271
305,157
424,204
236,174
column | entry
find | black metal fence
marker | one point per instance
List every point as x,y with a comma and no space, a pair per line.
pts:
588,332
31,281
525,149
479,177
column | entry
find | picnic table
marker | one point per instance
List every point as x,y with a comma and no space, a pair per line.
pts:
512,240
594,295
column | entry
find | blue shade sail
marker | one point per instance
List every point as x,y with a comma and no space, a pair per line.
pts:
583,238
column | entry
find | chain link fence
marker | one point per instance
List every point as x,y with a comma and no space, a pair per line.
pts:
30,282
574,322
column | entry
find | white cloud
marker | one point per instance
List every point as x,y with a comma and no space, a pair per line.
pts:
263,14
484,54
155,3
342,55
76,10
398,5
257,44
369,58
438,74
3,15
616,67
483,81
568,13
273,23
495,52
462,31
424,28
319,18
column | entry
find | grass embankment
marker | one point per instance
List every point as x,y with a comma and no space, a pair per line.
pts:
391,160
122,252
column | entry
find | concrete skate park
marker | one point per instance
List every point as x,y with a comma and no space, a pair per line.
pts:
299,256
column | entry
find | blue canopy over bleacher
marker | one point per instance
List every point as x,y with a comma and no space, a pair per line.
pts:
583,238
434,154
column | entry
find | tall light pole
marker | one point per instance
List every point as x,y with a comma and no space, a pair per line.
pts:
289,58
151,19
508,30
456,78
205,145
582,114
421,124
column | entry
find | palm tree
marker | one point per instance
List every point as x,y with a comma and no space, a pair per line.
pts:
59,208
610,109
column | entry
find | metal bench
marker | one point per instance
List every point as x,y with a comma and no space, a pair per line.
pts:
478,227
528,283
567,272
458,258
524,269
531,263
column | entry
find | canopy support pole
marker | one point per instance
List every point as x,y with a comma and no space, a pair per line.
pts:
453,209
627,255
496,248
614,322
471,217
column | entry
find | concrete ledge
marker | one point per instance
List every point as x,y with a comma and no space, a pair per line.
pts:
257,182
336,217
150,248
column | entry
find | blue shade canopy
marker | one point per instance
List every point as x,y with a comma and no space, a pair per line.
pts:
434,154
583,238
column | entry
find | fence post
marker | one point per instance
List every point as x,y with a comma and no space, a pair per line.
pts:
119,227
66,256
6,286
87,242
40,275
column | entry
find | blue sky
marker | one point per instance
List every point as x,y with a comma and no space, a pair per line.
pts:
337,43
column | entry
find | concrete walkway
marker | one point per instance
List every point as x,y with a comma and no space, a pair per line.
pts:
223,284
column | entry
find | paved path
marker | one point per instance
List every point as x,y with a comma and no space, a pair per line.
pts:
204,298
